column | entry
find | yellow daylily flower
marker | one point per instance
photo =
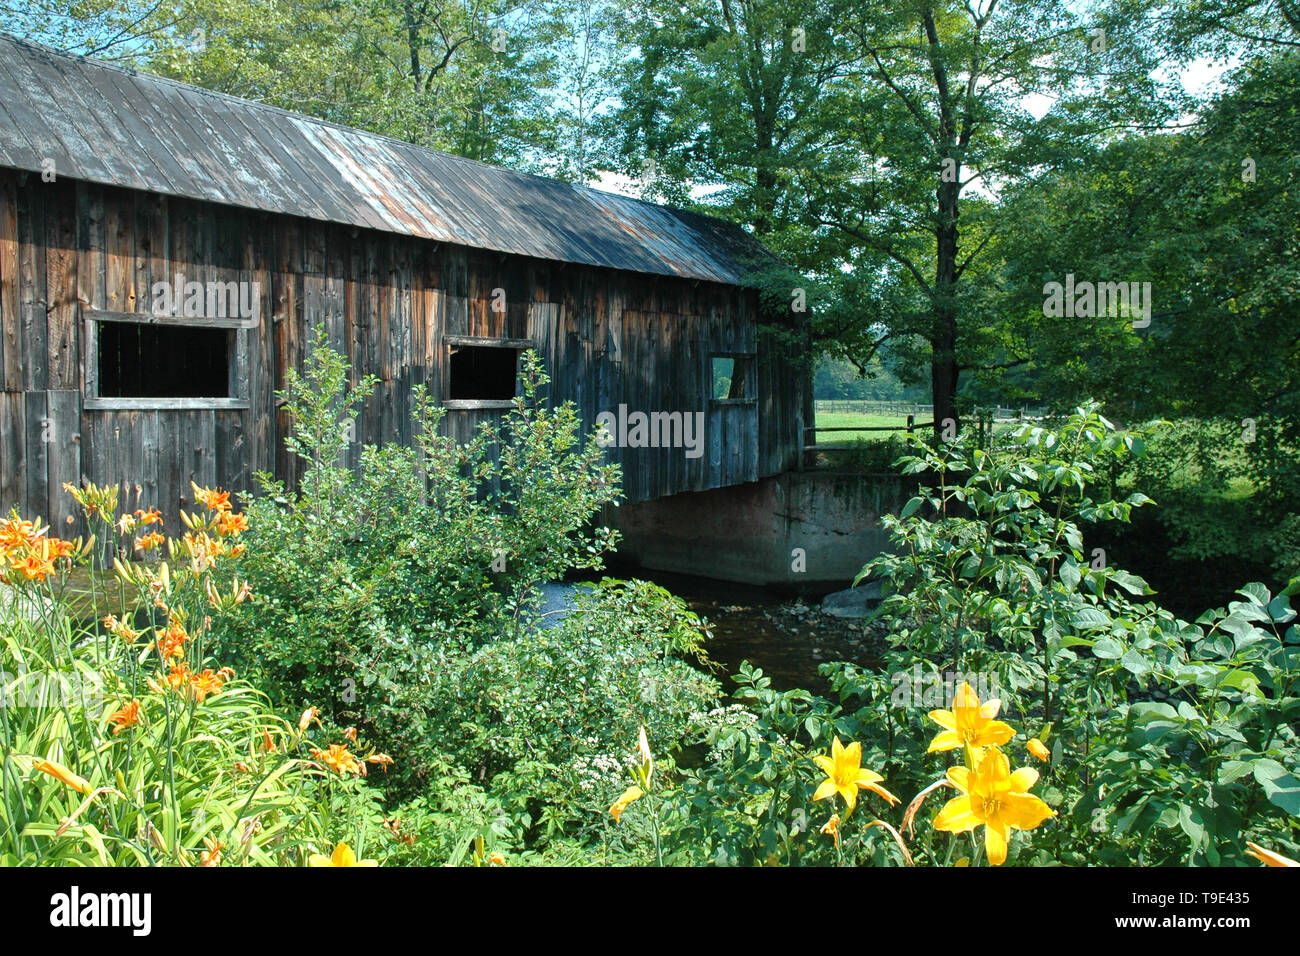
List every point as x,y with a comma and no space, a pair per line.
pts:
623,802
647,760
969,722
342,856
996,798
844,775
1038,749
1268,857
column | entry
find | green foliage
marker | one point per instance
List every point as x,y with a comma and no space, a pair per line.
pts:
1170,742
513,82
1226,494
1222,269
568,698
839,379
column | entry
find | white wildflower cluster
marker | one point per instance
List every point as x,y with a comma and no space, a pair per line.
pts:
596,773
733,716
722,725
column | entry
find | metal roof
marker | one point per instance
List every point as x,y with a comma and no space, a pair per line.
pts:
106,124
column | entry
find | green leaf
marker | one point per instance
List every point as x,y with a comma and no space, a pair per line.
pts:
1134,663
1280,610
1131,583
1280,787
1108,649
1189,820
1090,617
1256,592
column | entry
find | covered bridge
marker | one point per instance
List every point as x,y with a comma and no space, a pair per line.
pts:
166,250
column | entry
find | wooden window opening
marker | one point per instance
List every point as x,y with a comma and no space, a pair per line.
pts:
482,372
732,378
138,361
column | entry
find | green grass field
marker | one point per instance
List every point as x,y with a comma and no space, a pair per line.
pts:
895,423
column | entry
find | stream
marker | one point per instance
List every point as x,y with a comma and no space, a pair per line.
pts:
785,634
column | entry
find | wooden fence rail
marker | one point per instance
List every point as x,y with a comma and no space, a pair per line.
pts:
871,407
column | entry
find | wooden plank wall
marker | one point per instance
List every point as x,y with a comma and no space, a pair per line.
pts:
385,301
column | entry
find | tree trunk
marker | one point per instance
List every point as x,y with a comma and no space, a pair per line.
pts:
943,331
412,43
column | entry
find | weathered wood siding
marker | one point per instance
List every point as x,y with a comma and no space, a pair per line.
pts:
607,337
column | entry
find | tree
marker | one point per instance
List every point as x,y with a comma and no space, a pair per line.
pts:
740,101
857,157
586,57
951,89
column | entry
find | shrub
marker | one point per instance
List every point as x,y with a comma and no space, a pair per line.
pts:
1226,489
575,692
366,578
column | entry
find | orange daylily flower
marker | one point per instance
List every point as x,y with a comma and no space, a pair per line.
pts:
121,629
36,565
338,758
149,542
969,722
171,644
212,855
214,499
382,760
1268,857
1038,749
126,716
204,684
16,533
152,516
832,827
59,548
179,676
231,524
62,774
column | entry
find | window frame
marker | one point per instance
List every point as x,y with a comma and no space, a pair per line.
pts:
751,379
238,364
449,342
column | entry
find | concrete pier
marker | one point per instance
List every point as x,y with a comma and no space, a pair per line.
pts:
807,529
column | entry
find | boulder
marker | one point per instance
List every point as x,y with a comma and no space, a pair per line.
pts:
852,602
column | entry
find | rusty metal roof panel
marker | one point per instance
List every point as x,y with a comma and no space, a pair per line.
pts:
104,124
